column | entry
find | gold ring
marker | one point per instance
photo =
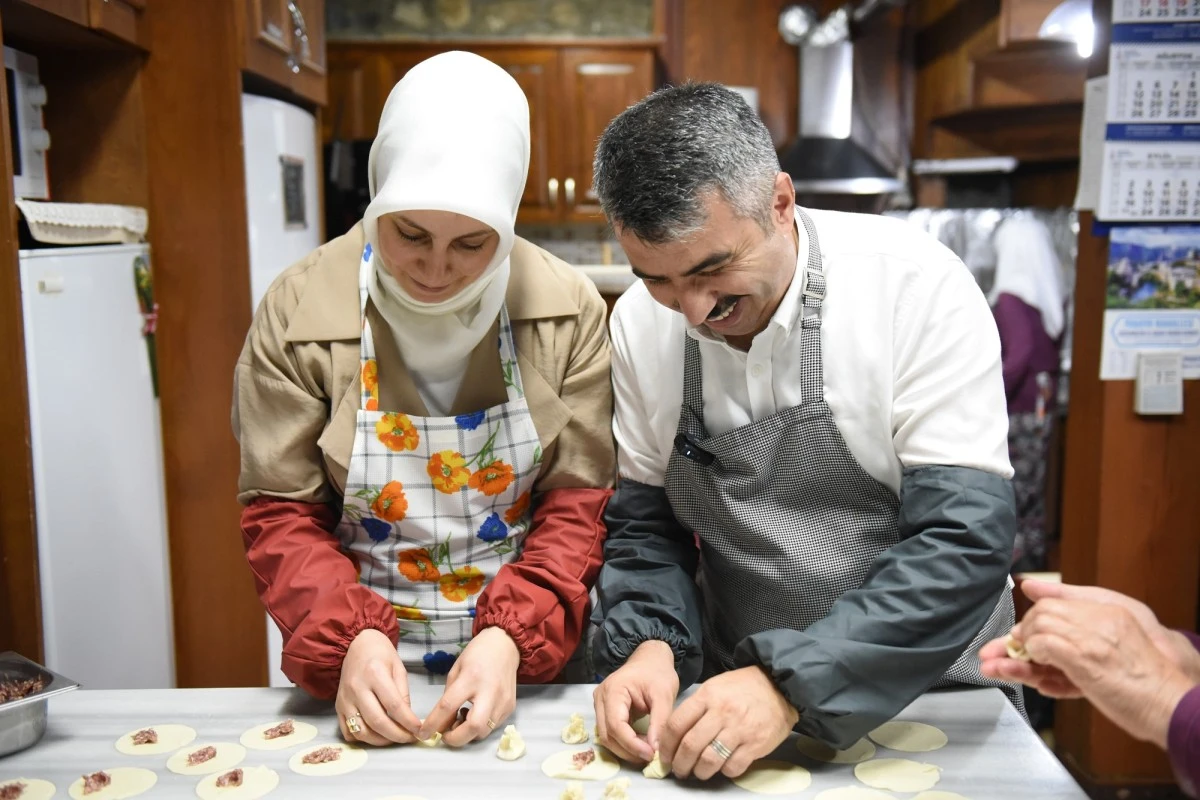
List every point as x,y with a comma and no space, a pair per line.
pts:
491,725
352,723
720,749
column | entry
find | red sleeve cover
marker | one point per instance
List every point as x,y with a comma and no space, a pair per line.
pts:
310,588
541,599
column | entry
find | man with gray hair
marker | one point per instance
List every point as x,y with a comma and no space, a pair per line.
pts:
814,510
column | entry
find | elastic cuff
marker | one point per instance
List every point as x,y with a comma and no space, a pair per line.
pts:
623,649
526,645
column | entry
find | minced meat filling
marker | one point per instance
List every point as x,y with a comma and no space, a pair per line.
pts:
286,728
583,758
230,779
148,736
202,755
11,791
16,689
95,782
323,755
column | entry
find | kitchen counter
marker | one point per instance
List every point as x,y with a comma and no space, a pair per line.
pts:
992,755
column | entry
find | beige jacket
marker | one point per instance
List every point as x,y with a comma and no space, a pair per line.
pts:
297,385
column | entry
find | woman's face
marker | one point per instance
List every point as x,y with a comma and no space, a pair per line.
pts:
434,255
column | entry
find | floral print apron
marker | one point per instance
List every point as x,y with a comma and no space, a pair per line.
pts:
434,506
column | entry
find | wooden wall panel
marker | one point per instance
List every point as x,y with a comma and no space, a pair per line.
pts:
740,45
202,282
20,601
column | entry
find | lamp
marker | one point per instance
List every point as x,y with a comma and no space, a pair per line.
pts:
1071,21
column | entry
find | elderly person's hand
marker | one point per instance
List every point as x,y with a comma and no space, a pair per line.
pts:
1100,651
741,710
1172,644
372,697
485,675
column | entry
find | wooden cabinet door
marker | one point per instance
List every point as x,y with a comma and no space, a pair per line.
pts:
307,18
536,71
120,19
268,40
597,85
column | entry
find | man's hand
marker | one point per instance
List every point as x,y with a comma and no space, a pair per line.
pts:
742,710
646,684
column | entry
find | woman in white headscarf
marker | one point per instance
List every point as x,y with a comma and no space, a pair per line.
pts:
1027,301
424,412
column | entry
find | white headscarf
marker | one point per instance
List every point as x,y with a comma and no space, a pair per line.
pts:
1027,267
453,136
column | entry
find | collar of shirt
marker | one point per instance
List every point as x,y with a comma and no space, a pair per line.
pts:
789,308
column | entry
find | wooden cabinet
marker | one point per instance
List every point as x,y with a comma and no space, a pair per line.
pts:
116,19
597,85
120,19
284,43
573,92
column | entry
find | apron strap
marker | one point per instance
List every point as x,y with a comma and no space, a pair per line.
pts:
691,420
812,380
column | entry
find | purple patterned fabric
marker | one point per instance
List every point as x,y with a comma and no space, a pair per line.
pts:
1025,350
1183,738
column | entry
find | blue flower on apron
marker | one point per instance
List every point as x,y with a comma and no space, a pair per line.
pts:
377,529
367,252
493,529
469,422
439,663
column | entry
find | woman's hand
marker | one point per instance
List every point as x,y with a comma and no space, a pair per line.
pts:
372,698
485,675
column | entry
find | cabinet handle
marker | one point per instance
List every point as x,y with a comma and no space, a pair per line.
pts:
605,69
552,185
300,34
569,185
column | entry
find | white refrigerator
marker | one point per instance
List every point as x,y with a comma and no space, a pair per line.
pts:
97,469
282,169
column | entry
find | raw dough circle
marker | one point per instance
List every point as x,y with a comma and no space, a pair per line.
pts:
256,782
35,788
819,751
909,737
352,758
170,739
854,793
774,777
228,756
939,796
302,733
126,782
898,774
602,768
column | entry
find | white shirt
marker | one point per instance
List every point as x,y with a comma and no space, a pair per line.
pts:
911,359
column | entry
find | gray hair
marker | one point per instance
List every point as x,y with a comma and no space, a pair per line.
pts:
661,159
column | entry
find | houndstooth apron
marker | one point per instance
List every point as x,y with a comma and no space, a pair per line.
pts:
788,520
434,506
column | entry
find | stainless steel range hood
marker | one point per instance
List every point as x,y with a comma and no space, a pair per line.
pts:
824,159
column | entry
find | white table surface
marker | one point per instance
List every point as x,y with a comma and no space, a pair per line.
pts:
992,754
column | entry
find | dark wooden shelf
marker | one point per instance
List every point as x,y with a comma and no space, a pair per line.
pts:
1034,132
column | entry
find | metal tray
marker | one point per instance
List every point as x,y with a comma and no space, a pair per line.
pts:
23,721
